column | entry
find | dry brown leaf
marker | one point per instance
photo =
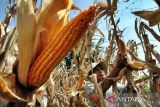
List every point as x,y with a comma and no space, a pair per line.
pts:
80,81
74,7
2,30
109,52
155,35
155,53
120,75
98,90
137,30
9,89
8,51
51,88
121,46
152,16
139,64
136,65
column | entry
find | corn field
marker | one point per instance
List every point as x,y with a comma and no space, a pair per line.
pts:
45,58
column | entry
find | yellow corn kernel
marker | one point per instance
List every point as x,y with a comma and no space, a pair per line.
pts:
58,48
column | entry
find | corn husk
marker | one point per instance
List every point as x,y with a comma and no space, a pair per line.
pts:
52,16
35,32
26,30
152,16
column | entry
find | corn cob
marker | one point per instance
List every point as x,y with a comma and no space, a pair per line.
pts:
58,48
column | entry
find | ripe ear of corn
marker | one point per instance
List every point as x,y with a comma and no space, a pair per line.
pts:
58,47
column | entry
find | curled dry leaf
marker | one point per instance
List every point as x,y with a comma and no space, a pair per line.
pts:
98,90
71,91
138,32
2,30
136,65
80,81
132,46
152,16
74,7
121,46
9,89
155,53
120,75
120,66
51,88
8,52
155,35
132,54
109,52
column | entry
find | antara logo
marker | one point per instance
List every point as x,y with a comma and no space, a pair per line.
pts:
110,99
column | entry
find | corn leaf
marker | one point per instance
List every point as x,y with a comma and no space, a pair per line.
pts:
152,16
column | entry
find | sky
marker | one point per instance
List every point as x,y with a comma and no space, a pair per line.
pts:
3,6
124,13
127,19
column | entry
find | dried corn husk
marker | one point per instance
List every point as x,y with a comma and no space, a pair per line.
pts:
152,16
44,25
98,90
52,16
10,90
26,30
